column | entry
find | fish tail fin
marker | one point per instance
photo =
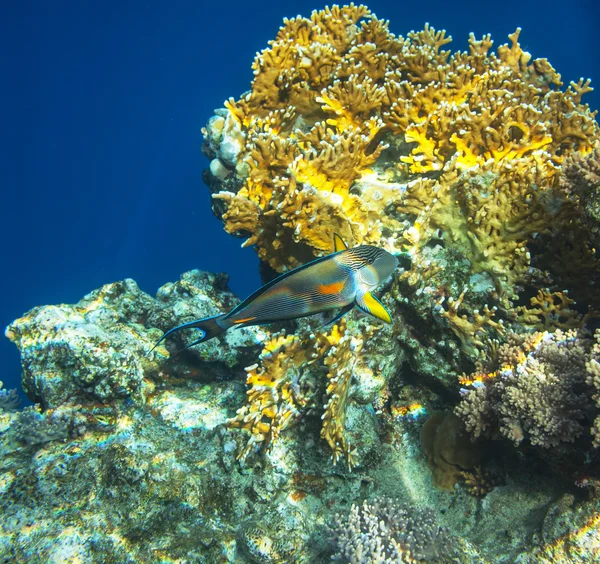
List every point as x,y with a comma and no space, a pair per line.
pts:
209,326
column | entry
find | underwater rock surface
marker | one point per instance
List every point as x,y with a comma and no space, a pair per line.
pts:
148,472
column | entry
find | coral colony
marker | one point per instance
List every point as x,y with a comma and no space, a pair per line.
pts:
467,431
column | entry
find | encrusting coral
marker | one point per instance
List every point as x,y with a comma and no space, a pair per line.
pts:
448,448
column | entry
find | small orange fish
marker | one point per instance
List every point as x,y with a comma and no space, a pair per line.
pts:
341,281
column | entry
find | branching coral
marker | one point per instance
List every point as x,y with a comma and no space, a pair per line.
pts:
274,394
582,177
592,367
452,158
539,393
282,383
397,141
343,361
551,310
386,531
471,330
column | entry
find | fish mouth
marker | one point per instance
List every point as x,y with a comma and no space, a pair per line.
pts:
404,260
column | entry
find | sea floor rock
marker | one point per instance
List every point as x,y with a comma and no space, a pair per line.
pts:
151,475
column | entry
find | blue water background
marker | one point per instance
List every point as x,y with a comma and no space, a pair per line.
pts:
102,105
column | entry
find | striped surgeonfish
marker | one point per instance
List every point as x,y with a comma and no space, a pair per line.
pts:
338,281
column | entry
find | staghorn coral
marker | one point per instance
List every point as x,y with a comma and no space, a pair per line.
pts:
384,530
539,393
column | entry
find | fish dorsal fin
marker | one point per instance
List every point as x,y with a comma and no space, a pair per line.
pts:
338,244
368,303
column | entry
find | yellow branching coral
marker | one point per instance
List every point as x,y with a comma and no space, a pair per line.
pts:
279,386
274,394
401,142
354,103
551,310
341,361
333,92
470,329
330,161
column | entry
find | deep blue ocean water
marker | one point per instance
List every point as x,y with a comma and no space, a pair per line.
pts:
102,105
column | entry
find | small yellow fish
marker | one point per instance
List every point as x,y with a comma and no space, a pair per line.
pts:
341,280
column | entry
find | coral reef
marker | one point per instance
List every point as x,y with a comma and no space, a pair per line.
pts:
542,392
155,476
97,347
199,294
480,172
396,141
85,349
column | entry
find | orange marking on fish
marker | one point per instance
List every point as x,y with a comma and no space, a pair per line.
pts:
238,321
334,288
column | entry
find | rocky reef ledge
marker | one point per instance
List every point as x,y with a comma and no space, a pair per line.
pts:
135,456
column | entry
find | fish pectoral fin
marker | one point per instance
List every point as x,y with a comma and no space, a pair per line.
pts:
368,303
338,243
340,314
